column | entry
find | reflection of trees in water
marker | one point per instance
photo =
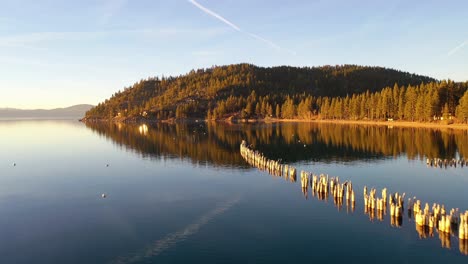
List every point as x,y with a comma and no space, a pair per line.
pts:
325,142
170,141
217,143
426,221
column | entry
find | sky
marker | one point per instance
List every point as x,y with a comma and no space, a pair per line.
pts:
57,53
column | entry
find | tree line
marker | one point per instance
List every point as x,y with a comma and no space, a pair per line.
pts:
443,100
248,91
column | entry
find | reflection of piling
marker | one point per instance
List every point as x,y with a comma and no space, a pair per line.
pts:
305,183
273,167
292,174
396,221
396,208
424,231
304,179
323,186
463,226
463,233
445,224
350,205
374,204
445,240
444,163
427,220
376,207
463,246
424,220
380,215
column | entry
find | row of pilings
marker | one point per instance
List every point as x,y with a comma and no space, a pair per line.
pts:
444,163
446,223
322,186
376,207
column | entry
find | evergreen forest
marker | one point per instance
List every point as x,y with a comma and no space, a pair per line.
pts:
246,91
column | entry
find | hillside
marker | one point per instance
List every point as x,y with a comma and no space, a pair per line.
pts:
249,91
72,112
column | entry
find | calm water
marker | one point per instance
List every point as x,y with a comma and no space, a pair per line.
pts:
183,193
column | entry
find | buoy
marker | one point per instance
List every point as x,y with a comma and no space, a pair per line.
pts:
14,164
107,165
103,195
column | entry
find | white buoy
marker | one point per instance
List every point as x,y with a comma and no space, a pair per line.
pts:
103,195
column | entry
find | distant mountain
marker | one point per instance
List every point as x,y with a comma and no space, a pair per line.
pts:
72,112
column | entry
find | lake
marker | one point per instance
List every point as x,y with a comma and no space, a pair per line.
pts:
182,193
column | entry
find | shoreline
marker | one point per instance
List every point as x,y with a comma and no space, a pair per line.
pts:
381,123
456,126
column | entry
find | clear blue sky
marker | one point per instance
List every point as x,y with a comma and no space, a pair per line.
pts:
56,53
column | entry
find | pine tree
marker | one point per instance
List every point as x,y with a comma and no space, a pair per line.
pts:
410,105
401,103
446,112
462,109
324,108
278,111
395,95
288,110
269,110
362,107
419,112
258,110
249,109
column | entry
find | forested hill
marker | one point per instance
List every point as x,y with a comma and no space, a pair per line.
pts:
200,93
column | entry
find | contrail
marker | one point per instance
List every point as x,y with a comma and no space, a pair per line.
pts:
235,27
264,40
457,48
271,43
171,240
213,14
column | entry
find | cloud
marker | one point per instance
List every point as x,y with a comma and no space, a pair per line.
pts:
36,37
457,48
33,40
237,28
16,60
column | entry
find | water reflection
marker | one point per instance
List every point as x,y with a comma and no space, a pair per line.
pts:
199,142
447,225
218,143
444,163
285,144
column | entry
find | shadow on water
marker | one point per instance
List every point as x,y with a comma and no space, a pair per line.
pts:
217,143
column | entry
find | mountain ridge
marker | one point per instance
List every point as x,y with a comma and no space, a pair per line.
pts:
74,111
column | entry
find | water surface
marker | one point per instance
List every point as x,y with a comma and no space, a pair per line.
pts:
182,193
